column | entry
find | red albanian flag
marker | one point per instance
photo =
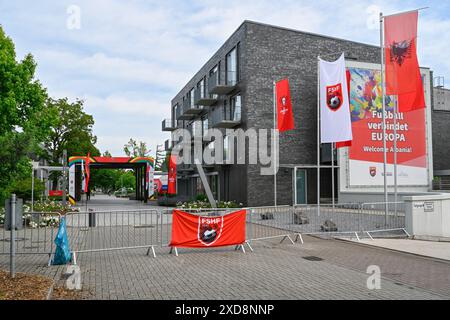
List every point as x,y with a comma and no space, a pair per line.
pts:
191,231
402,66
172,176
87,172
284,106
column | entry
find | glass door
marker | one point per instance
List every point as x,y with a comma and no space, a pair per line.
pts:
300,186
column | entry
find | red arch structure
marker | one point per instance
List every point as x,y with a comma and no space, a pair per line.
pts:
143,167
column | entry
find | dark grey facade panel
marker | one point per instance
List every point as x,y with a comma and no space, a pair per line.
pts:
273,54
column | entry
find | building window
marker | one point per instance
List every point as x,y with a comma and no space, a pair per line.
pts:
214,185
212,148
197,128
214,77
232,67
201,88
205,125
215,73
226,149
235,108
200,189
175,111
191,97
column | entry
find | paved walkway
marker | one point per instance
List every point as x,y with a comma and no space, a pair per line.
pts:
272,271
432,249
317,269
102,202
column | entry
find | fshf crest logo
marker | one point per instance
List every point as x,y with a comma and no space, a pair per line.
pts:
209,229
334,97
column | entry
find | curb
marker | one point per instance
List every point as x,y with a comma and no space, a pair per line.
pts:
395,250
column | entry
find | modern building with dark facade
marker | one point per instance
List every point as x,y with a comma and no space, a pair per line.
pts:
441,137
234,89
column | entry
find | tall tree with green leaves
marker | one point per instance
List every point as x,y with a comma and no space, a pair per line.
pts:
72,131
136,149
25,120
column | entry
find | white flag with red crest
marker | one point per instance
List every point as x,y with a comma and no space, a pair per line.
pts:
335,119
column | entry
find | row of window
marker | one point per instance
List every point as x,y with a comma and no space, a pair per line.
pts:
231,111
231,73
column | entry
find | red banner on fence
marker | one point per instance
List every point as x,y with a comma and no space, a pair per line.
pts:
191,231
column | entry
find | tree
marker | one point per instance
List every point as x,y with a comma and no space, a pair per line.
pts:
110,180
25,120
107,154
71,131
135,149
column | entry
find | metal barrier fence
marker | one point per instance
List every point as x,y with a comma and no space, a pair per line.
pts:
36,235
95,231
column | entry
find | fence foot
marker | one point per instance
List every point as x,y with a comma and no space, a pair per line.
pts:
249,246
290,239
153,251
369,235
174,249
406,232
242,247
49,263
74,258
357,237
299,236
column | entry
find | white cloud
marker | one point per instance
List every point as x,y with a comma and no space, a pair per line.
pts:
130,106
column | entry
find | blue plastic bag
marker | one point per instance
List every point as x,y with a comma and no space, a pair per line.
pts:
62,253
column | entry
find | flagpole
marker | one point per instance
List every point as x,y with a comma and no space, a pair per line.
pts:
383,84
395,156
318,136
332,175
274,144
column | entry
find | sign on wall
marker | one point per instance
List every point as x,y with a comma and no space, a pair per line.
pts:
366,153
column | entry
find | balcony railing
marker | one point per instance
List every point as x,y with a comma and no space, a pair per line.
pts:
180,115
222,87
191,109
204,99
168,125
226,118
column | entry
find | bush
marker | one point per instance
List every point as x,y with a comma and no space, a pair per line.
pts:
202,197
206,204
22,188
33,222
52,206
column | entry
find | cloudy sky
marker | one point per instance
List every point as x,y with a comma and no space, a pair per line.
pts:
129,58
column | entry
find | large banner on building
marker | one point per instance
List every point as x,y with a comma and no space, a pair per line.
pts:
191,231
366,152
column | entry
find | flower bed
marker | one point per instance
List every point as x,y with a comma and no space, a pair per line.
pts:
45,214
205,204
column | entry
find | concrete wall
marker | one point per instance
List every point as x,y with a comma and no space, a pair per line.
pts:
428,216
